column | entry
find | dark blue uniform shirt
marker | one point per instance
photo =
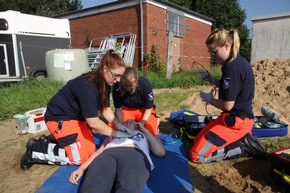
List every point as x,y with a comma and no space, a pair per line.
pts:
142,97
238,84
77,100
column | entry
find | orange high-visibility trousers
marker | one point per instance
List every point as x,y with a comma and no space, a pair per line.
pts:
137,114
75,138
202,149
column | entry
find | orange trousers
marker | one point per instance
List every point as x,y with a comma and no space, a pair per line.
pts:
137,114
75,138
202,149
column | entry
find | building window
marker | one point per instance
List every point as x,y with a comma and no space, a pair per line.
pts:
175,23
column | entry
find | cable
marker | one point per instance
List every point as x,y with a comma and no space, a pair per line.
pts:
201,67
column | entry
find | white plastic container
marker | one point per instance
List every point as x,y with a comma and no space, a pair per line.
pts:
66,64
35,120
21,124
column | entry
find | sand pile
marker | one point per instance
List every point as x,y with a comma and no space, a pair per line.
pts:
272,86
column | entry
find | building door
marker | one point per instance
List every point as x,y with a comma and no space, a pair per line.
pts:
176,54
3,61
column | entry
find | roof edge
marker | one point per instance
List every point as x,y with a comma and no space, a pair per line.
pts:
122,4
271,16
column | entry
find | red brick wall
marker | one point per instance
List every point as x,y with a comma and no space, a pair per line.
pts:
192,46
155,29
103,25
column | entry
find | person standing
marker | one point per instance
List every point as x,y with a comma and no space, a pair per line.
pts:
229,135
73,112
121,164
134,99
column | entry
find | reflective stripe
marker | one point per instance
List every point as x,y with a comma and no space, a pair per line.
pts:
203,151
75,154
220,154
62,157
50,152
50,157
233,152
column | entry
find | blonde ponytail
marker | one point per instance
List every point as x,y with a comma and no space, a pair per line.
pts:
220,37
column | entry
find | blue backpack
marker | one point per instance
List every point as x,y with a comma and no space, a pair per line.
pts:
177,118
189,123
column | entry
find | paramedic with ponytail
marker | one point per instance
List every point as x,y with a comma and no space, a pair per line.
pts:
228,136
73,112
134,100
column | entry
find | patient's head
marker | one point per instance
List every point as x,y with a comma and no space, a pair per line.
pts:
131,124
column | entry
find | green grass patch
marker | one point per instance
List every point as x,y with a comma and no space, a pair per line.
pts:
19,97
22,96
171,101
183,79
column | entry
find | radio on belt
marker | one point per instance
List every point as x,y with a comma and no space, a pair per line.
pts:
35,120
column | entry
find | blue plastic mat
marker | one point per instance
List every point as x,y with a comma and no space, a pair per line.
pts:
171,173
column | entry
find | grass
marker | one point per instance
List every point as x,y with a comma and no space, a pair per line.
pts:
171,101
19,97
183,79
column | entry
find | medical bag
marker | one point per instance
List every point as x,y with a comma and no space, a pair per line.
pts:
280,165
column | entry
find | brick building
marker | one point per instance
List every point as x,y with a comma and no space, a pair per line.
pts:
151,26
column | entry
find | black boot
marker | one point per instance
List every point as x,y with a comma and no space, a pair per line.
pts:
48,138
253,147
26,160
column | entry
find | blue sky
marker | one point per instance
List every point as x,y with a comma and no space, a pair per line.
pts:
253,8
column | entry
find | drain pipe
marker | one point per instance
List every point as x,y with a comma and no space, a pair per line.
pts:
141,33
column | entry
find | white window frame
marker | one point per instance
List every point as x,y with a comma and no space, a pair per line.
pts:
175,23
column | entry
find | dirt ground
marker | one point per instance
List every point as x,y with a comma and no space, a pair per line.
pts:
240,175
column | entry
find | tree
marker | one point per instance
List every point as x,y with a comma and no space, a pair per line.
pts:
227,14
41,7
183,3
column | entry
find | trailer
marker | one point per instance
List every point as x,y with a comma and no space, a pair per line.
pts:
24,40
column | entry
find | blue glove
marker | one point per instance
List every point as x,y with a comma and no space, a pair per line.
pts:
206,97
124,129
206,76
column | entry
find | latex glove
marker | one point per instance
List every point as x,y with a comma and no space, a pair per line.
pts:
206,76
122,134
206,97
124,128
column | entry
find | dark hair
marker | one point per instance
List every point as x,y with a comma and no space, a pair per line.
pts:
222,36
111,60
129,74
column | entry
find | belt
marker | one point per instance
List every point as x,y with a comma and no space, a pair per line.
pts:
241,114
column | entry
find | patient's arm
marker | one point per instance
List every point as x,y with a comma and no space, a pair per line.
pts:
155,145
77,174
